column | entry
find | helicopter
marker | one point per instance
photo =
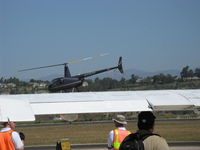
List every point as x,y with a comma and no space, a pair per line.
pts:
73,82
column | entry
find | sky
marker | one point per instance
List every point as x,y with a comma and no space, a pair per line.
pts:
150,35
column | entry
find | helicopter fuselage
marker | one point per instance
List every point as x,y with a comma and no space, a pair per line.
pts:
70,82
64,83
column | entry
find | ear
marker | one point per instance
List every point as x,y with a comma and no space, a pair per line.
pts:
5,124
8,123
152,129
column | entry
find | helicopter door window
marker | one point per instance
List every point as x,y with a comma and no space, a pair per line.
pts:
61,81
56,82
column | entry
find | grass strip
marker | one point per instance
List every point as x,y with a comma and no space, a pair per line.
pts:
97,133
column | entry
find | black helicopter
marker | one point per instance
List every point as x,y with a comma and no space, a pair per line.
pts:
70,82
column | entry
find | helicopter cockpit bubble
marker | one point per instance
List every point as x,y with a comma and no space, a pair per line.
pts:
56,81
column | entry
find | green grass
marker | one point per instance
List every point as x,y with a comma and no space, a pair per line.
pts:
97,133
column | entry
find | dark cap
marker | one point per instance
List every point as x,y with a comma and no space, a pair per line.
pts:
146,120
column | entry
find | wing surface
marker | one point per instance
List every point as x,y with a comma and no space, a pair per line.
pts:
85,102
162,100
99,102
15,110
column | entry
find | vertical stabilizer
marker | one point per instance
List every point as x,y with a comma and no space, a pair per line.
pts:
120,65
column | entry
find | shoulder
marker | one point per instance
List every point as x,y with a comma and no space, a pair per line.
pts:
156,141
130,137
17,140
121,128
5,129
15,135
111,132
155,138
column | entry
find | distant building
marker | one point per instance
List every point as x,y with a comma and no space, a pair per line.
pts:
11,85
3,85
38,85
191,78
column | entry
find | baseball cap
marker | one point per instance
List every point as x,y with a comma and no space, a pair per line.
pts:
146,120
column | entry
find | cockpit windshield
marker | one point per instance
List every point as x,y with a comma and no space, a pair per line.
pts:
56,81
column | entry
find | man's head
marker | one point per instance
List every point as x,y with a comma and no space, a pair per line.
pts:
10,124
119,120
146,120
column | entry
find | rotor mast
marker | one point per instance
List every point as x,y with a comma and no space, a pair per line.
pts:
66,71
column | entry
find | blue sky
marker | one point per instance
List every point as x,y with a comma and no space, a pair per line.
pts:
150,35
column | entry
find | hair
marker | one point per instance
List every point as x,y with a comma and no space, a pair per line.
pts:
146,120
117,124
22,136
5,124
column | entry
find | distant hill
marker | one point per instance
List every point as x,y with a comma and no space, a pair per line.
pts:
146,74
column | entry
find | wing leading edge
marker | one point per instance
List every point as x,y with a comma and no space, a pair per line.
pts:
15,110
96,102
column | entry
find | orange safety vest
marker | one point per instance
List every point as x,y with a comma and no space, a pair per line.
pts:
6,142
119,136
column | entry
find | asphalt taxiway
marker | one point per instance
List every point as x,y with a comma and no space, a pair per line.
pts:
173,146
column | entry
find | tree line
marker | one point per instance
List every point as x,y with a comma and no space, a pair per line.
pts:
159,81
187,72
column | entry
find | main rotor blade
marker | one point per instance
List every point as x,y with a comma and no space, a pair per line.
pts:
87,58
71,62
41,67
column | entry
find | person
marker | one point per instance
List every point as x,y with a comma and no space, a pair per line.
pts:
116,136
10,139
146,139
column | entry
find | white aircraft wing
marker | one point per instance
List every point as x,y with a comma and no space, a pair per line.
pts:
97,102
162,100
15,109
85,102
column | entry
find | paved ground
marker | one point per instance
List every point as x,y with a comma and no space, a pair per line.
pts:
102,146
99,148
171,148
185,148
